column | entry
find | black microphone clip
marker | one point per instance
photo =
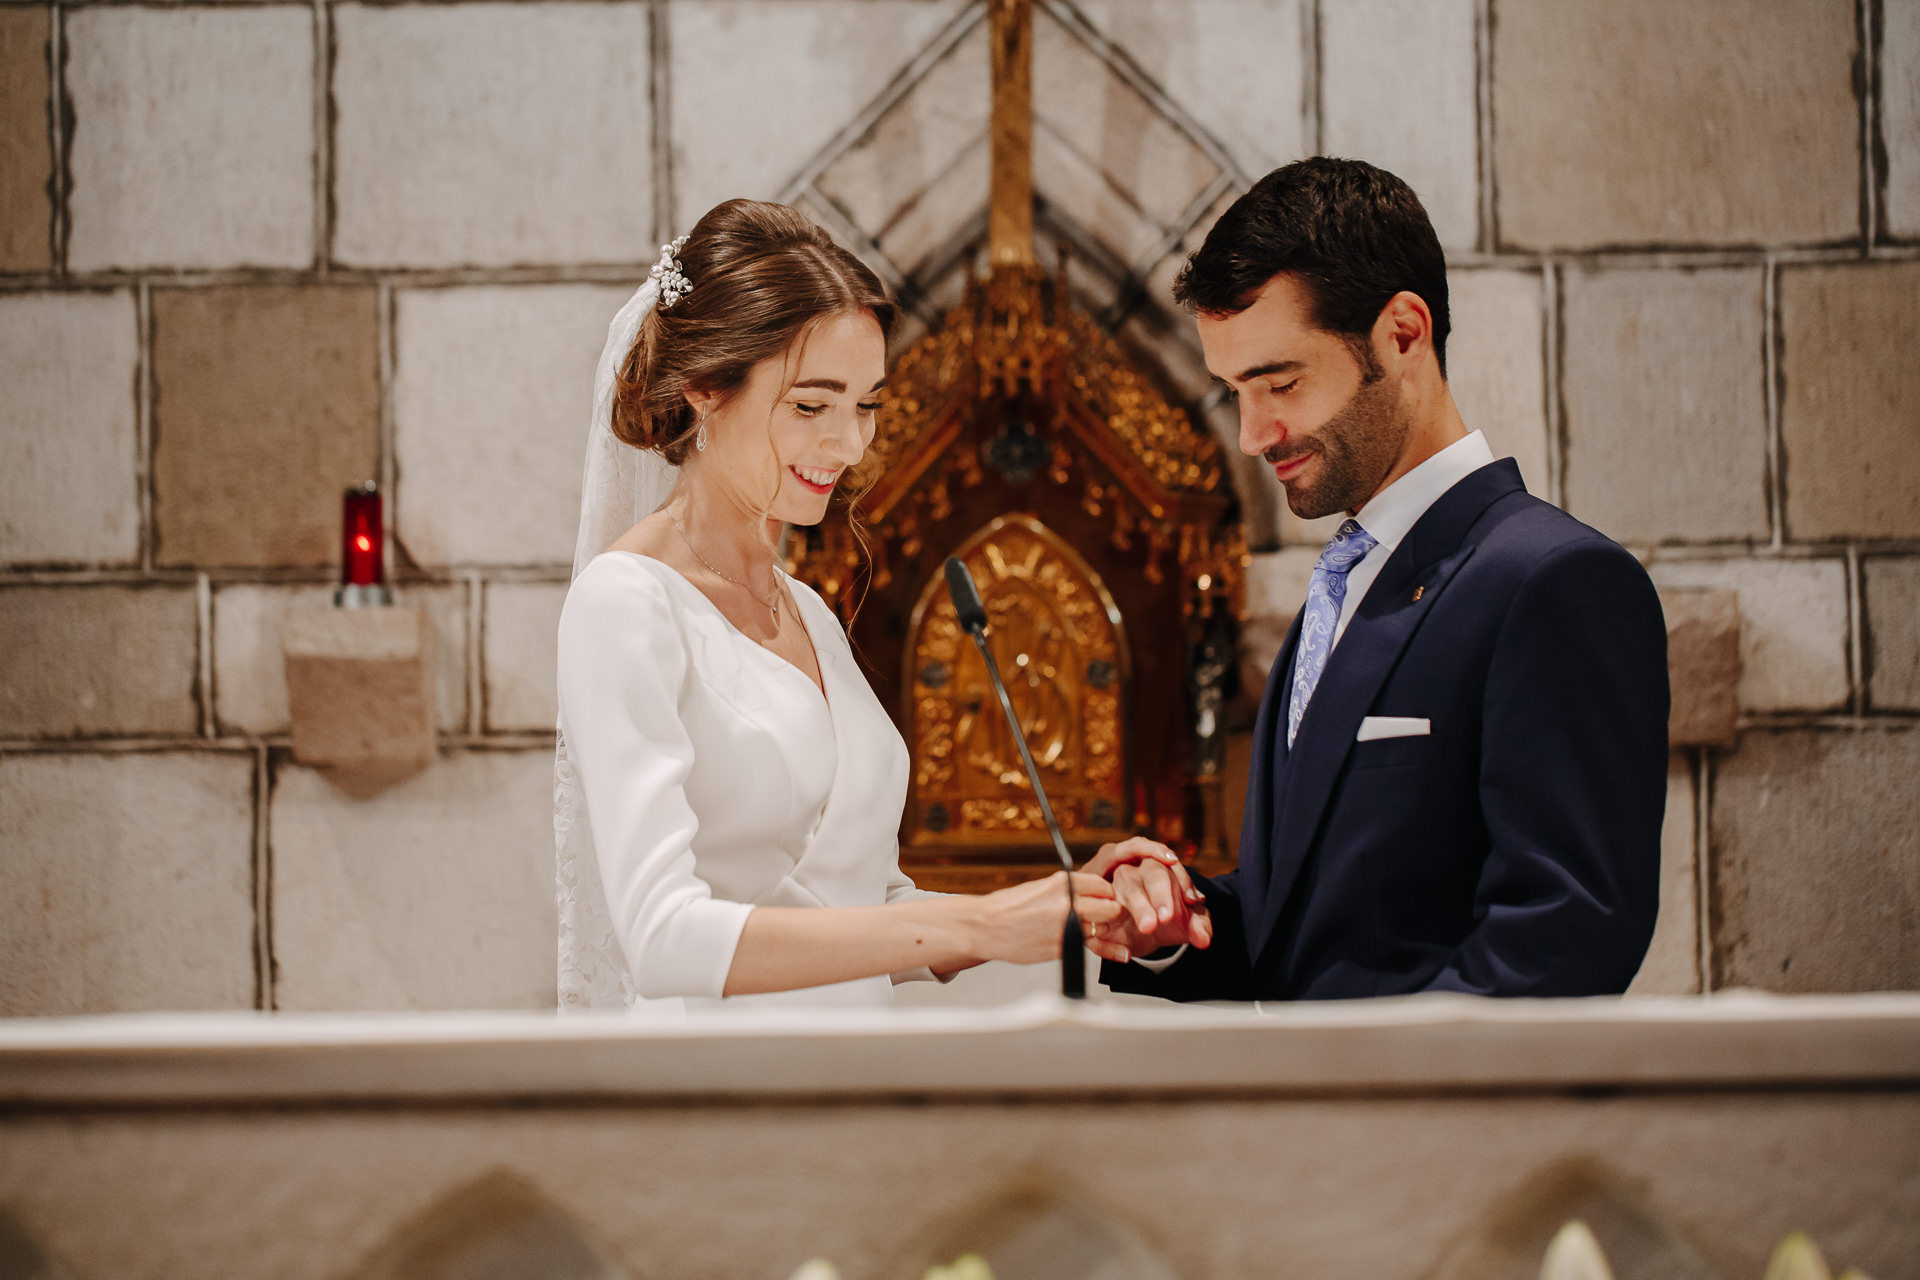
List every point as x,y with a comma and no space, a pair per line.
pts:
966,597
973,619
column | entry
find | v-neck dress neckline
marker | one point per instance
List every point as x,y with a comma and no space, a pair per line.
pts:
800,610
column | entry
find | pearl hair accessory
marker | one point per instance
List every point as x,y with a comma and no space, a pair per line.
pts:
666,273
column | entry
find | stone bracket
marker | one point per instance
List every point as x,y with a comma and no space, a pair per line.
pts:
360,685
1703,666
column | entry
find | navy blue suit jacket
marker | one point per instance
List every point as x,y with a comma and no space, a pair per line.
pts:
1515,850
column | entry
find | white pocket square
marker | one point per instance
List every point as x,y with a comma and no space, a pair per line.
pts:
1392,727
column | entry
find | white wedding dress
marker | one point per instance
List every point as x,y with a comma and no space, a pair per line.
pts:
698,774
717,778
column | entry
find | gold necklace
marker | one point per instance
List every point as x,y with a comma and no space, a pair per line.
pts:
771,606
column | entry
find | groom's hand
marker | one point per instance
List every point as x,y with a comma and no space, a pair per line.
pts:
1162,907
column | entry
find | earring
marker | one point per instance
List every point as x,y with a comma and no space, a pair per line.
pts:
700,434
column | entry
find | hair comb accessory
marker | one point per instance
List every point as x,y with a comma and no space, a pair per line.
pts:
668,274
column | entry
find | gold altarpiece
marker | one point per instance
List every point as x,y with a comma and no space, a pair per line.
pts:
1057,636
1098,523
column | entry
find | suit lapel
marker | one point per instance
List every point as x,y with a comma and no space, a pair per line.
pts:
1389,615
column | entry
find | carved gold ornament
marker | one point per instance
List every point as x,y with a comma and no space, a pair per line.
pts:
1139,460
1061,648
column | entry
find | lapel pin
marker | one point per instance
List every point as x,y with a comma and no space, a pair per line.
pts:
1417,593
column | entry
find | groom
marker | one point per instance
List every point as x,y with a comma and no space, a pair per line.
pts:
1459,766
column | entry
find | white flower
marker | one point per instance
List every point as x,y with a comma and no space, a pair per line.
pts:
1575,1255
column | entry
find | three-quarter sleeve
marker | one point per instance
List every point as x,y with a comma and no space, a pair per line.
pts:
900,887
622,662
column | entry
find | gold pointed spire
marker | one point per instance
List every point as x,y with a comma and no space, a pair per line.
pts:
1010,211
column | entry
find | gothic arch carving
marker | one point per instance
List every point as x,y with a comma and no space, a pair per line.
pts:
1062,648
1510,1237
497,1227
1040,1237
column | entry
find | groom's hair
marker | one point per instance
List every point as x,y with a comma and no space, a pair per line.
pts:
1353,234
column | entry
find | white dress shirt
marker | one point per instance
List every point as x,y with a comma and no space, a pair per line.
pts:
1389,517
1393,512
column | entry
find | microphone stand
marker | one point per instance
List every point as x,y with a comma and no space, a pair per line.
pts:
973,618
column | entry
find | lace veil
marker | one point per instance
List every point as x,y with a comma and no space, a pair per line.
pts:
622,485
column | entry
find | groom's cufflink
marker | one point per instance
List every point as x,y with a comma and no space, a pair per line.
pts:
1375,727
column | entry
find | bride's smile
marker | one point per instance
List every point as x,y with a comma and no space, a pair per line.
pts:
817,479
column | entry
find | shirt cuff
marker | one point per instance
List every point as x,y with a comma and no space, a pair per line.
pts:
1157,966
922,974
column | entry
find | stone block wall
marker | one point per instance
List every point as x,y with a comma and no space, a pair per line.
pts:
251,253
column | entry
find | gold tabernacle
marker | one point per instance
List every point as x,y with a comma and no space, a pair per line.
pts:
1096,518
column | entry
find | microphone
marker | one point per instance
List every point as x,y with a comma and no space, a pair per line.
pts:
973,618
966,598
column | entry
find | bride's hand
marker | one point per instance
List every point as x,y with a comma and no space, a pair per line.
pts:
1024,924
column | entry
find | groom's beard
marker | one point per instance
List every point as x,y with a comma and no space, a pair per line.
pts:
1357,447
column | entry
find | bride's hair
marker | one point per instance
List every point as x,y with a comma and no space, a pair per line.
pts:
763,276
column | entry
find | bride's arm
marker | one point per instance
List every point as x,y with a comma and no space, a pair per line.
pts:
901,888
621,665
781,948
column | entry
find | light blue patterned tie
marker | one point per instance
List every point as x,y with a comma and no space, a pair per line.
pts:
1326,595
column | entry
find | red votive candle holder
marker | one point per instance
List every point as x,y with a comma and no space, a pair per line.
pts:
362,546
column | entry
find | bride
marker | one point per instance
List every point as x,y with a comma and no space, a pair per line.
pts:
728,789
